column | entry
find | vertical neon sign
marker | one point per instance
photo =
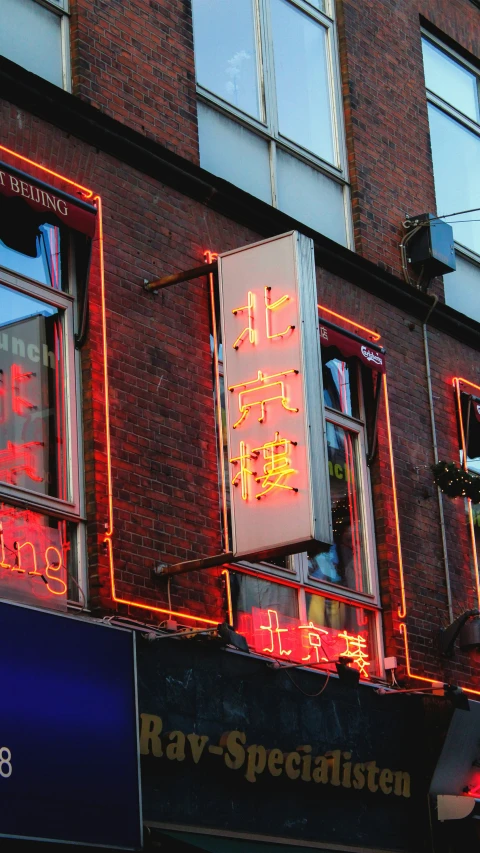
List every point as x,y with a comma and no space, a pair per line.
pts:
274,400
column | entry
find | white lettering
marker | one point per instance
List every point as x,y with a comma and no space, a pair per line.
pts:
33,352
25,189
64,209
2,175
18,347
371,356
14,184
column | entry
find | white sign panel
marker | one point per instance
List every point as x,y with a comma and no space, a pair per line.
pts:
274,398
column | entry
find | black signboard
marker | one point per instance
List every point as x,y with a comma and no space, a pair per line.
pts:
232,744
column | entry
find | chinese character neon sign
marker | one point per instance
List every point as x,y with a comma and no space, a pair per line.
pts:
274,403
271,633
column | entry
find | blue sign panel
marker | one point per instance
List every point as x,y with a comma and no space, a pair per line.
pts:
68,730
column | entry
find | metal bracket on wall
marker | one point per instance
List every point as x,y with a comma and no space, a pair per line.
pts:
177,278
166,570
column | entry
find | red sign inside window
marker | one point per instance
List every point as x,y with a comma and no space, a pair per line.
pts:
271,633
33,546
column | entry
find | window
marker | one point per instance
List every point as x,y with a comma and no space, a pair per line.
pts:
41,534
269,109
454,116
314,609
35,35
468,413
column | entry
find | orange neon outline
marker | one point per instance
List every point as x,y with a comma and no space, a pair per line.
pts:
109,529
228,589
109,526
374,335
88,193
402,610
456,384
250,307
209,258
273,307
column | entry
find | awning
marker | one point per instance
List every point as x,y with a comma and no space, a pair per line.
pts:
23,192
350,345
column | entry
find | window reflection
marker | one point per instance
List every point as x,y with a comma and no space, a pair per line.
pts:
32,388
225,51
248,591
344,561
339,385
301,75
33,252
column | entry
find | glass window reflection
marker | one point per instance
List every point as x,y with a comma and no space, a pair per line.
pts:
33,452
339,385
302,80
33,252
343,562
226,52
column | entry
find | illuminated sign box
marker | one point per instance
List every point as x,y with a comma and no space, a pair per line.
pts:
274,398
68,730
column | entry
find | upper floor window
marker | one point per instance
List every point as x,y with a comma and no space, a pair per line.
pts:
454,116
36,35
41,507
269,109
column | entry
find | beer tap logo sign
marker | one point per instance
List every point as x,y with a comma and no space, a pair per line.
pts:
263,293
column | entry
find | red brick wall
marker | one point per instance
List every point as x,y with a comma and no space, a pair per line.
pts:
133,59
386,113
161,396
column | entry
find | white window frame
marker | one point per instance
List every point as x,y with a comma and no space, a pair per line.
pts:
456,115
73,509
62,10
297,575
268,129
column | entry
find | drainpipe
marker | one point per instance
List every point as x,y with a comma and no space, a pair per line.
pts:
435,456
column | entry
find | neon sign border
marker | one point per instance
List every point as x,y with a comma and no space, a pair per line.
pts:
109,529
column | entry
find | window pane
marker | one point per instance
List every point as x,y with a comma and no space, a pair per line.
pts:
30,35
456,155
32,250
253,598
344,561
302,80
230,151
339,385
347,631
32,395
462,287
450,80
34,557
225,51
310,197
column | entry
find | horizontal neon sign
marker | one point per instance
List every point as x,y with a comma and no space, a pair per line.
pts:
285,638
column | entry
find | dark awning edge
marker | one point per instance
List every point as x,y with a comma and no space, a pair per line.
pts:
66,209
370,354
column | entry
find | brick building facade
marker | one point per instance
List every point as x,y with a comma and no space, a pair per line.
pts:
122,135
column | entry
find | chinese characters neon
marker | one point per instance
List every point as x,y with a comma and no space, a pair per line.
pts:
276,470
284,637
261,385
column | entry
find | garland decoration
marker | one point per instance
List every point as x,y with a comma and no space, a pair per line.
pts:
455,482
